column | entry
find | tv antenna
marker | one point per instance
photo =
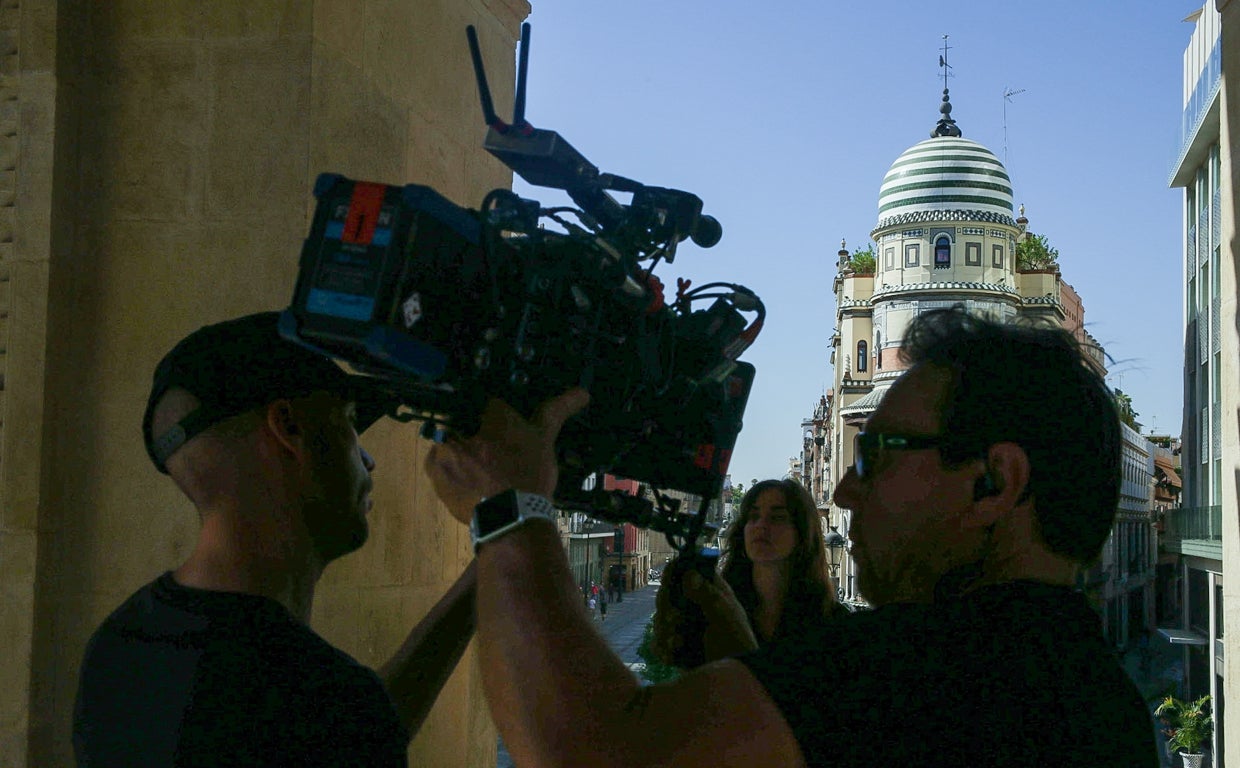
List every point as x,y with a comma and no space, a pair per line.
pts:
1008,93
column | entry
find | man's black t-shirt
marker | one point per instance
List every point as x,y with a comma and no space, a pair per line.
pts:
1012,675
187,677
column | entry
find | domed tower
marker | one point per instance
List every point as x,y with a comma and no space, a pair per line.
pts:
945,236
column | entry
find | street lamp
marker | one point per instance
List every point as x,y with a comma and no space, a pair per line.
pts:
835,550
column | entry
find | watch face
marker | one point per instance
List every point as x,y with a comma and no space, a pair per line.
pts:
495,514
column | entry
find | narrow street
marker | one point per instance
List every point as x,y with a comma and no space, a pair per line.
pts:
623,630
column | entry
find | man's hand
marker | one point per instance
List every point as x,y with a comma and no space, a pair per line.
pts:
508,452
728,631
709,624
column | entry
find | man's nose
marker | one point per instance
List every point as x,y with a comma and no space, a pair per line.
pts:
846,491
367,460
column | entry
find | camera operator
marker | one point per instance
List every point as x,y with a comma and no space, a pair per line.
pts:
974,508
214,663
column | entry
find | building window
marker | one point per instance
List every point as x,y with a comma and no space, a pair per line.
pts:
942,253
912,254
996,257
878,350
889,258
862,358
973,254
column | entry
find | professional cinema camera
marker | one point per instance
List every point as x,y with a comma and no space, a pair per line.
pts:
445,307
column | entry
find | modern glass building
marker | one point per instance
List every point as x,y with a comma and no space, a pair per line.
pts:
1193,536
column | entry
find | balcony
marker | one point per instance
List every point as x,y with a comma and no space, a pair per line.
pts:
584,527
1195,531
1199,120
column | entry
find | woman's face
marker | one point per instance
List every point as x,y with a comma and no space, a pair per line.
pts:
770,535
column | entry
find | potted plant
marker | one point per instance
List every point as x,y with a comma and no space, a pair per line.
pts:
1187,726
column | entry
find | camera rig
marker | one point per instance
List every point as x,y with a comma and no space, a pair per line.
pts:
444,307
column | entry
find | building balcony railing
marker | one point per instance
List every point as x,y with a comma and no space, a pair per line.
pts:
1205,90
1205,523
590,527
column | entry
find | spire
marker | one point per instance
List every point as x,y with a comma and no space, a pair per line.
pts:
946,125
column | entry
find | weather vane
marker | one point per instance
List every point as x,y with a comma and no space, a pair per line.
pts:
946,125
943,62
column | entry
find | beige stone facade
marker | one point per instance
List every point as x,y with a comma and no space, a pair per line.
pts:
156,161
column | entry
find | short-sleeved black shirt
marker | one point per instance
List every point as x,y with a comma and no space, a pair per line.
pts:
1007,676
187,677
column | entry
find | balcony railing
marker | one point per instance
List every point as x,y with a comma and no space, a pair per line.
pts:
1204,92
1203,523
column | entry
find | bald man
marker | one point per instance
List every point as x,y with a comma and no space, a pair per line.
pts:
214,663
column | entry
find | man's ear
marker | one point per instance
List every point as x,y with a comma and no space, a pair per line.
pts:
284,424
1005,474
1007,467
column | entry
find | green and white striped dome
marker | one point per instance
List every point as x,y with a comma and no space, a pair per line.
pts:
945,178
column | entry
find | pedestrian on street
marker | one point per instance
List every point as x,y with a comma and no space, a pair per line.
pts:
602,607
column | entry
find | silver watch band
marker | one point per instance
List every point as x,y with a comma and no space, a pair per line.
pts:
525,506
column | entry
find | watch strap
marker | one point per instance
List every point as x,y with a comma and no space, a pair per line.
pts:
498,515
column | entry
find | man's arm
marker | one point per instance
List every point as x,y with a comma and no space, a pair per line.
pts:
558,694
416,673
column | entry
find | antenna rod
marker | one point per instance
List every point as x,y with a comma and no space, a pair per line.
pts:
1008,93
484,91
523,65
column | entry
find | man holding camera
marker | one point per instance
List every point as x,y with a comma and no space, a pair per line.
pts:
976,498
214,663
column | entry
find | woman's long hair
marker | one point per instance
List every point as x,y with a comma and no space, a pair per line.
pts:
811,593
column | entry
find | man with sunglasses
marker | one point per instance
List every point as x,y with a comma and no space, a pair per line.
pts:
984,481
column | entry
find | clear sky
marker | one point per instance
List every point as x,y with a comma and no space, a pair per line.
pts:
784,116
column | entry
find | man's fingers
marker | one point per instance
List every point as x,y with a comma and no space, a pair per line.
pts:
552,414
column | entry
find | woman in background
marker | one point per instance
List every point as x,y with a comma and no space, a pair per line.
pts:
774,562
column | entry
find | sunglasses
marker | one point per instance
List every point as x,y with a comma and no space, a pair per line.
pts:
869,446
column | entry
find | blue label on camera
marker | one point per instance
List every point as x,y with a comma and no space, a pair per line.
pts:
343,305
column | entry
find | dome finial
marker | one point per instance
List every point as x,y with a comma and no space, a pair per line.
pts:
946,125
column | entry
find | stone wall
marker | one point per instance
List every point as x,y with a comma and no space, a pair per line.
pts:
156,161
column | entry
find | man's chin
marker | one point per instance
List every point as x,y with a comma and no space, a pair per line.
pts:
337,543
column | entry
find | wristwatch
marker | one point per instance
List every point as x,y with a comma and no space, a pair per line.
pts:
496,515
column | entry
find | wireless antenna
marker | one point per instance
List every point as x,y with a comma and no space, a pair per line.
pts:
484,91
523,65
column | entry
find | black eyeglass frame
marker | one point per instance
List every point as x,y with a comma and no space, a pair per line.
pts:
868,445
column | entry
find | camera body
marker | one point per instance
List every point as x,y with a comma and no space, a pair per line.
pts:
445,307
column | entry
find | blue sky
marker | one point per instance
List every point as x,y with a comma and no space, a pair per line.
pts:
783,117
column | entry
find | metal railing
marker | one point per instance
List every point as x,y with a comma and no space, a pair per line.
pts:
1204,523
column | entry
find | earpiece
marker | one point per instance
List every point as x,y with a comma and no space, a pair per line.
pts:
985,486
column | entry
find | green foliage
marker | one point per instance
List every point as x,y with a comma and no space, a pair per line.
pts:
1126,414
862,260
1186,724
738,493
655,670
1034,252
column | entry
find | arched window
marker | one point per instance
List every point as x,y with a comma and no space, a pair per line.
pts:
878,350
862,358
942,253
